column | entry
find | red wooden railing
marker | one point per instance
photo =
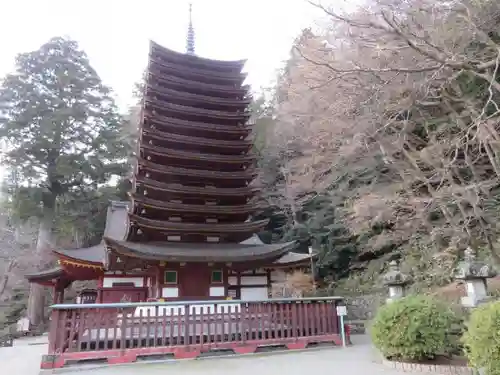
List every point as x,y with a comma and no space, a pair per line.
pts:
122,332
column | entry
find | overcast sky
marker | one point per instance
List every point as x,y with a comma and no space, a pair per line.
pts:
115,34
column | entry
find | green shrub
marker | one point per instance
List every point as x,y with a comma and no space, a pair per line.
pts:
482,338
415,328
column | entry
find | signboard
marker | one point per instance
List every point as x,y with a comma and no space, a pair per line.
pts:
341,310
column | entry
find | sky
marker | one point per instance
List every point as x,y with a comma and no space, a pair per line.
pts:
115,34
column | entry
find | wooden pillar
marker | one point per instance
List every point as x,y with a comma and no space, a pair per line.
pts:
238,283
100,284
161,279
157,280
55,292
269,283
61,295
58,296
225,279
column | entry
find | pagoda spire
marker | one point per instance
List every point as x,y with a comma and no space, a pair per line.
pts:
190,33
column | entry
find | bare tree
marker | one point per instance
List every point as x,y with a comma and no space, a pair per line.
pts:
416,84
301,139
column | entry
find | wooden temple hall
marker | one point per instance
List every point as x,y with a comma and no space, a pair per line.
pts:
180,268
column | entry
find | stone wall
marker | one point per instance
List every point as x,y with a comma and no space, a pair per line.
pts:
360,310
363,307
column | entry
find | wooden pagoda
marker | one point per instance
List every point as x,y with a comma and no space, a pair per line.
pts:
173,257
186,233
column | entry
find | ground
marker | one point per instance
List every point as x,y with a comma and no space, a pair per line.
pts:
359,359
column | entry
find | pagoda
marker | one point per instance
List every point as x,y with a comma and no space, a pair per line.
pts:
187,232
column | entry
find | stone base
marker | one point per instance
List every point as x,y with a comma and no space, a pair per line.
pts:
131,355
469,302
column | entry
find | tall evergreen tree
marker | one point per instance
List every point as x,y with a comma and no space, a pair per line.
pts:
63,136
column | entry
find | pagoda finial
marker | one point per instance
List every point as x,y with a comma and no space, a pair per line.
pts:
190,33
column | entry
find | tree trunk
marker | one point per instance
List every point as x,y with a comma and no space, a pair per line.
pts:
77,238
5,278
36,301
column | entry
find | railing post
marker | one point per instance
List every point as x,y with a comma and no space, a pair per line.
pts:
244,326
187,314
54,328
123,330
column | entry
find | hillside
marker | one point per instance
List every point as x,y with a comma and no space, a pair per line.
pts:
382,141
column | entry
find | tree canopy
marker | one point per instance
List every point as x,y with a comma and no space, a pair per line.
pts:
64,144
60,123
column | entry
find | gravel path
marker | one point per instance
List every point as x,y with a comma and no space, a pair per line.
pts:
24,357
359,359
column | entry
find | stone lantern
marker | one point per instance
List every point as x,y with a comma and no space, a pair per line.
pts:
396,281
475,274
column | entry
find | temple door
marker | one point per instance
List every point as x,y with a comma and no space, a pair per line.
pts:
194,281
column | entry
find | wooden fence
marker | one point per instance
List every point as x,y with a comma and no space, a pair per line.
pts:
124,332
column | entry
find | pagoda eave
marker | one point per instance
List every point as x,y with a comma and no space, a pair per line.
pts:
293,260
47,277
195,208
186,59
243,192
197,98
184,110
180,126
232,77
199,87
91,255
242,160
172,138
244,175
198,228
184,252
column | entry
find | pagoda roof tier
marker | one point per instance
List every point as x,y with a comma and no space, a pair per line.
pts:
46,277
292,259
222,91
205,101
91,254
117,220
188,127
245,175
235,146
229,160
196,208
207,252
207,192
73,264
195,61
202,75
187,111
198,228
